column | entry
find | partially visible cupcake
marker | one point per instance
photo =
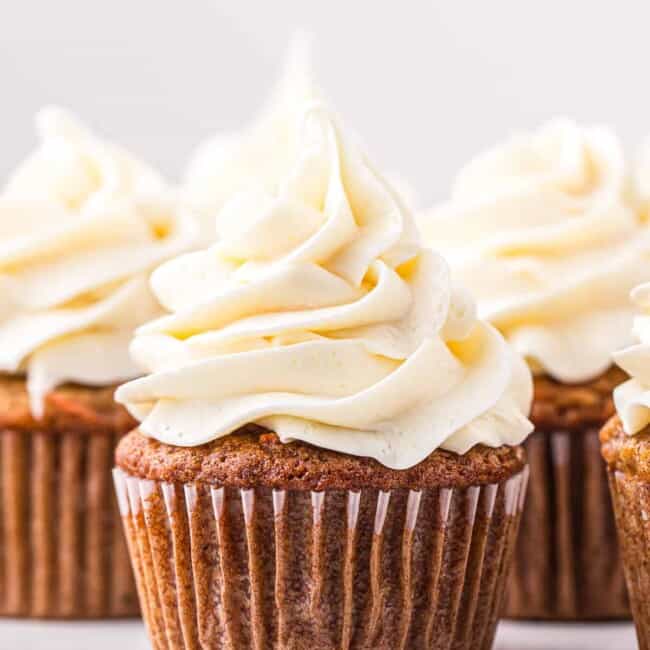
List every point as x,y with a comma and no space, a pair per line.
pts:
82,224
547,232
328,450
626,449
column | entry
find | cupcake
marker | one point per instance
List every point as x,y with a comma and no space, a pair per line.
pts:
626,449
81,224
546,231
328,452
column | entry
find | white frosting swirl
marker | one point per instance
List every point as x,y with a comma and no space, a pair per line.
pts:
632,398
543,230
81,225
320,316
260,154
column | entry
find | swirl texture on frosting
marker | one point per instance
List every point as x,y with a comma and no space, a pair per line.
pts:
319,315
632,398
258,154
82,224
547,234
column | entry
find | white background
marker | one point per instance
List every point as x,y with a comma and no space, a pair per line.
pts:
426,83
19,635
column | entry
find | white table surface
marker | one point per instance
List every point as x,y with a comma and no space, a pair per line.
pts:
28,635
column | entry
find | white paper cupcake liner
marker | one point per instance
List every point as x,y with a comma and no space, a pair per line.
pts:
264,569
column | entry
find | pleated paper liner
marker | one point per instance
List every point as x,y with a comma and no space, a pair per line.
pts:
567,564
62,552
262,569
631,498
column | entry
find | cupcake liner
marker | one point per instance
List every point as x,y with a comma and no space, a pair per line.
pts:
631,499
566,565
261,568
62,552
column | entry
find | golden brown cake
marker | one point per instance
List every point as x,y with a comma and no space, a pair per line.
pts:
628,463
625,443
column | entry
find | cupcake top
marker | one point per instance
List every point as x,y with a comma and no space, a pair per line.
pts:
632,399
547,234
81,225
258,154
320,316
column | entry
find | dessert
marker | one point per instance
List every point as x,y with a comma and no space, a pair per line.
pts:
81,225
547,231
626,449
328,451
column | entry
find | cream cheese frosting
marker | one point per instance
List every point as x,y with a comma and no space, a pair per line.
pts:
319,315
632,398
546,233
261,153
82,224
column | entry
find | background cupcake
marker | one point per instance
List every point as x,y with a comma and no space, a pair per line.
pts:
327,447
81,225
626,448
546,232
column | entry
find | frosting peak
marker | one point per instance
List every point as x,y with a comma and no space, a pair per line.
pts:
632,398
319,315
259,154
81,225
546,233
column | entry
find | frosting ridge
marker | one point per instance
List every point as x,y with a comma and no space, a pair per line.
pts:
547,234
319,315
82,224
260,153
632,398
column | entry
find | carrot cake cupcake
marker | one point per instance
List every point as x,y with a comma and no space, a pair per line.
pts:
626,449
328,452
81,225
546,231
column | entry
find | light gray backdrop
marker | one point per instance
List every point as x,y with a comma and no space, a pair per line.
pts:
426,83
